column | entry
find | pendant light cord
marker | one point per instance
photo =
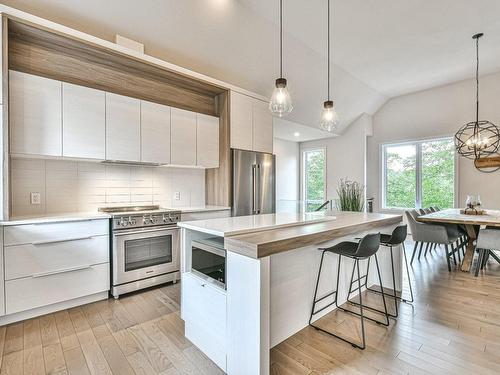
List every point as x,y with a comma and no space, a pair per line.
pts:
281,38
477,82
328,49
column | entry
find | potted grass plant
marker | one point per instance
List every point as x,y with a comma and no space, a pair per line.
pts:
351,197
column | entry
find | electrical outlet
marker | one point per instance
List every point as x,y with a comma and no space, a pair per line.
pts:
35,198
177,196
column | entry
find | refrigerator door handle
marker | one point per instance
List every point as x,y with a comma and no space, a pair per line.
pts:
258,191
254,188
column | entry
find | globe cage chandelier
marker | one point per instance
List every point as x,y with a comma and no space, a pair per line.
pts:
479,138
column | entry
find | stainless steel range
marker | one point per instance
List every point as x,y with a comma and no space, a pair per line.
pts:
145,247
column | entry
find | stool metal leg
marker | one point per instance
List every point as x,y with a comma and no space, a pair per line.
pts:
363,340
315,301
407,274
384,312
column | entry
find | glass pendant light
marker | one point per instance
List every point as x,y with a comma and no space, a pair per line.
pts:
479,138
329,117
281,102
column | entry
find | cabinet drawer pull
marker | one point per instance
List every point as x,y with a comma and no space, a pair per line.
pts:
64,270
37,243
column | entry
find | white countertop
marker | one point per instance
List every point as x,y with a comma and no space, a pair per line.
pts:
55,218
207,208
231,226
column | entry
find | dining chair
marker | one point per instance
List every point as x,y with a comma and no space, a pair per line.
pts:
432,233
487,242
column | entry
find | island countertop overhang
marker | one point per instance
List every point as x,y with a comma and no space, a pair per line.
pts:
265,241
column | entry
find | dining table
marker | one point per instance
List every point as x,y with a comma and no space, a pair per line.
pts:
471,222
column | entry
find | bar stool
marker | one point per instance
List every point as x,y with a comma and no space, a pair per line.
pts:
357,251
396,238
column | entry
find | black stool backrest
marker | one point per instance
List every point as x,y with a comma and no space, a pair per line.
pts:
368,245
398,235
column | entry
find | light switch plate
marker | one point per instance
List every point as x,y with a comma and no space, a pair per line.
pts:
177,196
35,198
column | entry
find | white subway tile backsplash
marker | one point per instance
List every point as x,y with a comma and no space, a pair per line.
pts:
68,186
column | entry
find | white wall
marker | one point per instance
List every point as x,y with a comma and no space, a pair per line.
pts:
345,154
287,169
287,175
70,186
434,113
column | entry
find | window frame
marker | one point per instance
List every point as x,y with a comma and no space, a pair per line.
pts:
418,173
303,187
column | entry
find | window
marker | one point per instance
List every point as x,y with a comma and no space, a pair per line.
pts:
419,174
313,178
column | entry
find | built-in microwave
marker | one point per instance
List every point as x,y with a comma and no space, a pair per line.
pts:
208,260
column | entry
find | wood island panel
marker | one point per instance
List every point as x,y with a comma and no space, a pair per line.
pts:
265,243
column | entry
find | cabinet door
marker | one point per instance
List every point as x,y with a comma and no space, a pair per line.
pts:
35,115
84,120
123,128
262,122
241,121
155,133
183,137
207,141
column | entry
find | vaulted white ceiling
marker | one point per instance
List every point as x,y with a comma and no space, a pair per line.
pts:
382,48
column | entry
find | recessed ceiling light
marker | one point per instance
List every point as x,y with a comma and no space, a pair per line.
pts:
296,134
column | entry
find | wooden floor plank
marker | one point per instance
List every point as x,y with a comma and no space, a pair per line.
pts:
54,359
33,361
155,356
14,338
75,362
94,356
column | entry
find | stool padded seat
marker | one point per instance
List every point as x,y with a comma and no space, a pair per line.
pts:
346,248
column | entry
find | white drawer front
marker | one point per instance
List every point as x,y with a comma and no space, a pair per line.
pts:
53,232
31,292
204,311
32,259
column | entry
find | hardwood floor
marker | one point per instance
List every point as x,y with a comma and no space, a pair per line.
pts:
138,334
452,328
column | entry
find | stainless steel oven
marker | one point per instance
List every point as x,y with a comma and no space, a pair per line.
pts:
145,249
208,260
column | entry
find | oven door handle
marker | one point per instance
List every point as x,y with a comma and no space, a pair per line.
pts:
125,233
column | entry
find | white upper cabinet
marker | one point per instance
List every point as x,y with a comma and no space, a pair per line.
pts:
84,122
123,128
183,137
207,141
241,121
262,121
251,124
155,133
35,115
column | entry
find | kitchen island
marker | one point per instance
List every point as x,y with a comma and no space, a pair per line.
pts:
265,294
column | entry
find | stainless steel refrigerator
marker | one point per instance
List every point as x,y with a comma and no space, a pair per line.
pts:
254,183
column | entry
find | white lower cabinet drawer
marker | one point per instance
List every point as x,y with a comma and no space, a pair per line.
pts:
47,233
204,311
32,292
37,259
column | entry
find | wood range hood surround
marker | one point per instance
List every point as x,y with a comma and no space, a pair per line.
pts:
37,50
